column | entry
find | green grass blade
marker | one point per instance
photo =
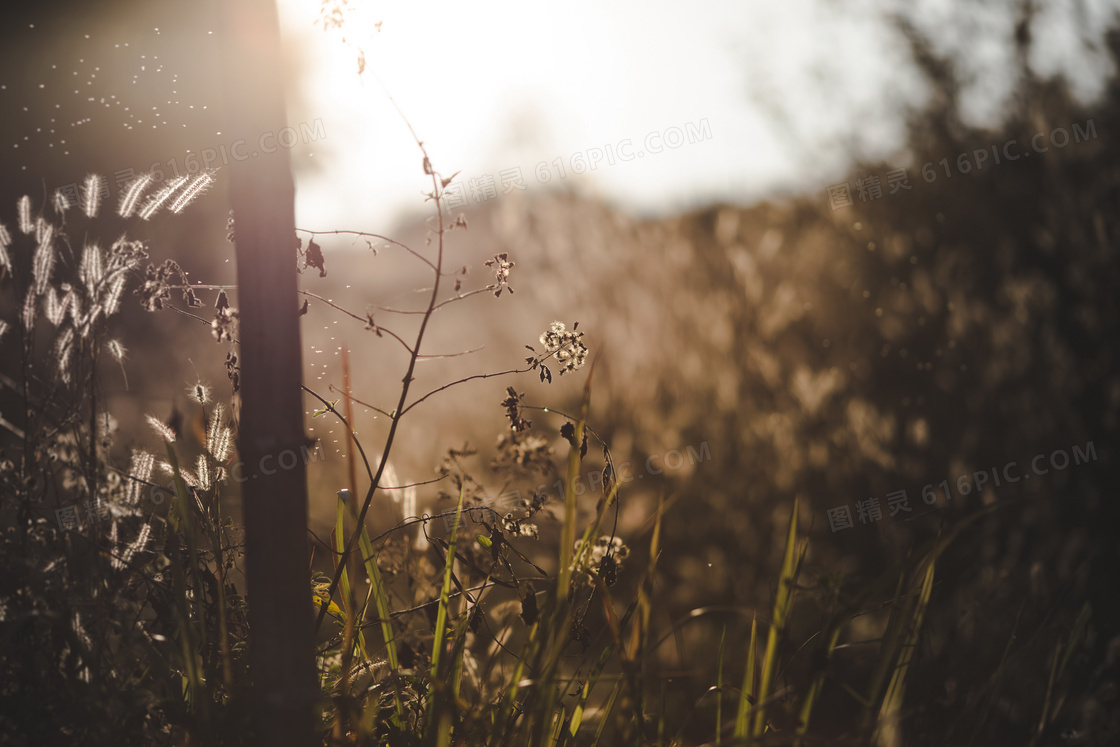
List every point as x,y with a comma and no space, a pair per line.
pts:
746,692
377,590
348,599
888,733
181,525
815,689
605,715
445,593
719,686
783,601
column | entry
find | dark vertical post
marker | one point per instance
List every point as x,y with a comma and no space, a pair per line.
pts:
262,195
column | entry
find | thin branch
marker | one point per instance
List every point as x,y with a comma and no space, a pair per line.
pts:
366,234
465,380
407,382
355,400
487,376
439,305
207,322
461,296
364,320
203,287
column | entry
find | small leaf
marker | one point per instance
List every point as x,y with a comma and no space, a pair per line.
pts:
568,431
313,257
529,612
325,410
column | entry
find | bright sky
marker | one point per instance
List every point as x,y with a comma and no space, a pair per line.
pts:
506,85
758,98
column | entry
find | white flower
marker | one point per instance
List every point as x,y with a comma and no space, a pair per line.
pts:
568,348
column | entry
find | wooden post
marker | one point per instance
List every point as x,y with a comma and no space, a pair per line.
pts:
271,440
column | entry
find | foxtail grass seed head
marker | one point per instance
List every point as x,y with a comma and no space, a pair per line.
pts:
76,313
137,546
199,392
91,194
61,203
218,437
139,470
162,429
28,315
91,269
62,350
112,299
3,328
188,476
5,242
157,200
194,190
117,350
130,198
43,263
23,212
55,308
203,472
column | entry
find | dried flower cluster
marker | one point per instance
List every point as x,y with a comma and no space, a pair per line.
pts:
567,346
224,323
525,451
519,527
158,283
606,558
512,403
502,265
